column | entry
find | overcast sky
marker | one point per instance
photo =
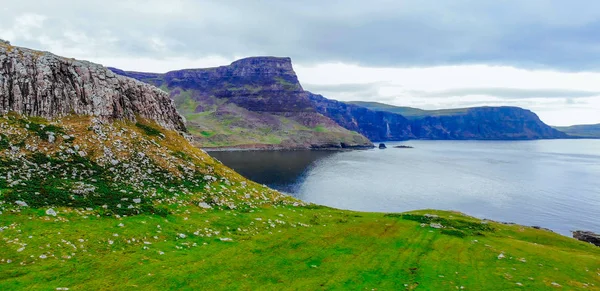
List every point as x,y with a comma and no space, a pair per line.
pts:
543,55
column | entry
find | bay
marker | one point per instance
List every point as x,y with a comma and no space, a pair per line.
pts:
549,183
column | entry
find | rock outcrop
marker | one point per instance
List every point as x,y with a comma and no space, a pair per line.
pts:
255,101
587,236
42,84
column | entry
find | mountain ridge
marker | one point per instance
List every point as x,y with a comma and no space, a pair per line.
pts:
246,82
256,102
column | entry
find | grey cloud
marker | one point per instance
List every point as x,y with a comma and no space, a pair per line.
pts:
553,34
350,91
510,93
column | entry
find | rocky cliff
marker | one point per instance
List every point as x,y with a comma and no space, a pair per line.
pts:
381,122
375,125
253,103
494,123
42,84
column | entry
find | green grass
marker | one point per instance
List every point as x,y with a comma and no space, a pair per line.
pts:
289,248
320,128
148,129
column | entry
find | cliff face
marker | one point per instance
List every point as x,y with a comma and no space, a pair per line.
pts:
485,123
255,102
42,84
380,123
375,125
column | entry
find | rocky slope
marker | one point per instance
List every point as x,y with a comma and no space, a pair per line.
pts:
381,122
41,84
255,103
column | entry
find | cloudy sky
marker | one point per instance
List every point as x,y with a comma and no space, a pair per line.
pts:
543,55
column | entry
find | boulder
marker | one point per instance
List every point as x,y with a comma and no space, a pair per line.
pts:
587,236
382,146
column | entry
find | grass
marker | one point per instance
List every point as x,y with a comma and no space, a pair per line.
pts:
285,248
148,129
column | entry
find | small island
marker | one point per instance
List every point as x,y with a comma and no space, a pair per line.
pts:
403,147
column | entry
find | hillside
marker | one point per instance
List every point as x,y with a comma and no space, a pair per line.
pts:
583,130
254,103
118,202
381,122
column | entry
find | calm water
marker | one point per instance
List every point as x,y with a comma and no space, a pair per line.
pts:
550,183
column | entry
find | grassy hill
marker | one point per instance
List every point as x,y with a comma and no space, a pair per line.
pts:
584,130
121,206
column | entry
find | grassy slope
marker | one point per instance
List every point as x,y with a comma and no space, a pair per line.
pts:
227,125
285,248
249,238
409,112
584,130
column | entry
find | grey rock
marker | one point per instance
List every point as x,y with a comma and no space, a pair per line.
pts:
587,236
51,212
42,84
21,203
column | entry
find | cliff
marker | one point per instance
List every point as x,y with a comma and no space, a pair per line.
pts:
375,125
381,122
255,102
42,84
493,123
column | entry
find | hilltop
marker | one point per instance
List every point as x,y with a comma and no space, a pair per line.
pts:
255,102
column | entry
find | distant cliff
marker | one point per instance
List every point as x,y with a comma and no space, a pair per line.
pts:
582,130
381,122
254,103
493,123
43,84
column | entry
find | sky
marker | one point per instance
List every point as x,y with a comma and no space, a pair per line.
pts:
543,55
